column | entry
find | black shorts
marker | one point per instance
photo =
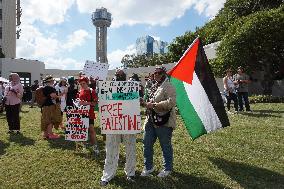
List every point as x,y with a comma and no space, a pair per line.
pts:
91,121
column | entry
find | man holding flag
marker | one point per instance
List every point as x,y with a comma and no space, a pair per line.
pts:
160,122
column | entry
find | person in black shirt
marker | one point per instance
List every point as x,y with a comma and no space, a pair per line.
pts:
51,113
33,89
72,91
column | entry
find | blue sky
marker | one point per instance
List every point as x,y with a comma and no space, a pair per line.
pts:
60,32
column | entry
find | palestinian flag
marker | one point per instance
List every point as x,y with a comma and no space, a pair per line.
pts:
198,97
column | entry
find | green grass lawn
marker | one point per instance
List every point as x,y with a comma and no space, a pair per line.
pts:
248,154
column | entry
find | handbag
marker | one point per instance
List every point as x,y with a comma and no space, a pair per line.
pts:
4,99
159,119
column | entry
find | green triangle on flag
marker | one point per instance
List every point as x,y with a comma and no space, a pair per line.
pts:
198,97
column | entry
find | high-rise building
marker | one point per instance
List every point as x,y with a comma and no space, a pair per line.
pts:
160,47
101,19
10,13
144,45
148,45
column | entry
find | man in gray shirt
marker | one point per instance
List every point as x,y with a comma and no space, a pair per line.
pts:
242,91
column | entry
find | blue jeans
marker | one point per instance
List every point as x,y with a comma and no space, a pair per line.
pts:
164,134
241,96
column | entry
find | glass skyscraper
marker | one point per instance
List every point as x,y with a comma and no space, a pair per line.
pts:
148,45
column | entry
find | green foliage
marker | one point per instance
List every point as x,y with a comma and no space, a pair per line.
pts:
266,99
179,45
255,42
248,154
135,61
233,10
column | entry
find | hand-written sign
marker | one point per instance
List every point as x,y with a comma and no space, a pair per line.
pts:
119,107
96,70
77,123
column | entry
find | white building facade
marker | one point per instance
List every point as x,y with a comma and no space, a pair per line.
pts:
28,70
8,25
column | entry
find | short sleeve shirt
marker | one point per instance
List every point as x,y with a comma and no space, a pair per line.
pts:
47,90
243,87
86,95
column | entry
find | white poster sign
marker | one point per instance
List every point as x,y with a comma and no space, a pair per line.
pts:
96,70
77,123
119,107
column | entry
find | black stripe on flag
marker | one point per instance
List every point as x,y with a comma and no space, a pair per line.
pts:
207,80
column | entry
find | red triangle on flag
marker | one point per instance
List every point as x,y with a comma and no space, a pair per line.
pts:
185,67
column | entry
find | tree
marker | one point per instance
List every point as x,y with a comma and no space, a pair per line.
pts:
179,45
135,61
233,10
255,42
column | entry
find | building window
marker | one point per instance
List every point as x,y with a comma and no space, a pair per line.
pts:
0,32
0,14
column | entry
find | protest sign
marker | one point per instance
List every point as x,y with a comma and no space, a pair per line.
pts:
119,107
77,123
96,70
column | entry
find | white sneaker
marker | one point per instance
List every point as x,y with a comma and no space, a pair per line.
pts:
146,172
164,173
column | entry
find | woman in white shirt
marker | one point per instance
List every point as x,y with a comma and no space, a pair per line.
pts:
230,89
62,89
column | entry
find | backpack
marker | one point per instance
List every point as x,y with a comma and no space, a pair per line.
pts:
40,98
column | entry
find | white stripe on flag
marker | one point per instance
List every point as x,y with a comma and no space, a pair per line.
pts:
204,109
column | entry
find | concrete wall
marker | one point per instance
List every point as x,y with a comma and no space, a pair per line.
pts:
8,24
36,68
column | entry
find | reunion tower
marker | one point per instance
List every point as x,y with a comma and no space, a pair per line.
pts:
101,19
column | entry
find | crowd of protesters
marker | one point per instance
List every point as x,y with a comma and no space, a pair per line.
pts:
158,97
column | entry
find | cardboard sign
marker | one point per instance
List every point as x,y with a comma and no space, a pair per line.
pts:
119,107
96,70
77,123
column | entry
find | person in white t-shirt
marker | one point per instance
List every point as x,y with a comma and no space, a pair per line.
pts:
230,90
62,89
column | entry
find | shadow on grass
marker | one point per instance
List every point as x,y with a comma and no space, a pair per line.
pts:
21,139
61,143
25,111
2,116
254,114
176,180
250,176
268,111
3,146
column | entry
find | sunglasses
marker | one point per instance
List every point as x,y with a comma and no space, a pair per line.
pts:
83,83
158,73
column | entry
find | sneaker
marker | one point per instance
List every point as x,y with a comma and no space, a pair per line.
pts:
53,136
146,172
103,183
164,173
96,150
130,178
249,111
10,132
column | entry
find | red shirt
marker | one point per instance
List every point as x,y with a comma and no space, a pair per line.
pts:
86,96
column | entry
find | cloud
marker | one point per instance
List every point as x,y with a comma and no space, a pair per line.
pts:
159,12
77,38
33,44
114,58
63,64
209,7
50,12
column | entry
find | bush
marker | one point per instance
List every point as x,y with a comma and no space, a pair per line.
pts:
266,99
